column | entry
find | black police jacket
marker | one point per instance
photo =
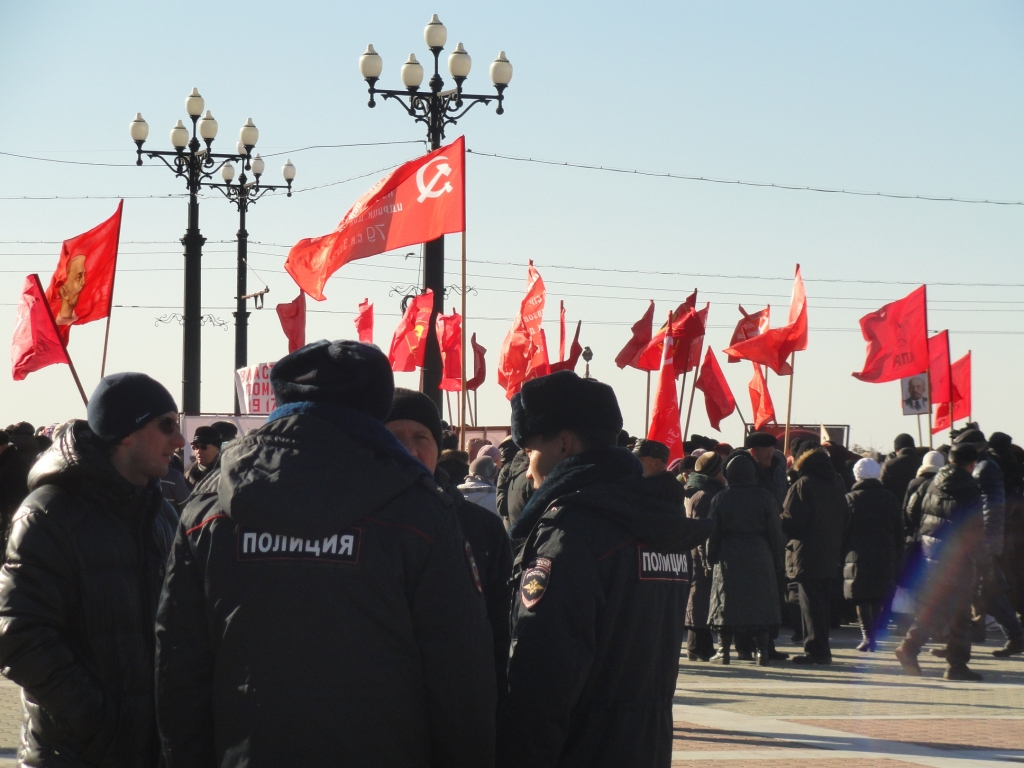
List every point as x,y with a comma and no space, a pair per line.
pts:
320,609
78,597
492,556
597,618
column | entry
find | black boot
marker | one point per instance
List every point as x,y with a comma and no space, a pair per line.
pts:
866,617
763,650
722,657
1013,646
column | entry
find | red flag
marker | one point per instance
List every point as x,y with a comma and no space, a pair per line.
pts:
686,326
897,337
561,331
750,326
517,349
417,202
665,426
760,399
82,286
364,322
37,342
449,338
960,373
642,330
718,397
293,322
938,369
774,346
697,342
574,353
479,365
409,344
539,364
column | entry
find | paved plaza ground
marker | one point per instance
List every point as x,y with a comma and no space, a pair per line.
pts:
860,712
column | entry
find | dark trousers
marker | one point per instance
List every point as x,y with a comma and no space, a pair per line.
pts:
700,642
958,634
992,599
945,608
814,615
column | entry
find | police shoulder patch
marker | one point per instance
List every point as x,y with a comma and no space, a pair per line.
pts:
473,569
661,566
535,582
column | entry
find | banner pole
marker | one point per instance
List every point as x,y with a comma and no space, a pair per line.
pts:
78,381
920,440
789,401
647,407
476,410
462,399
693,390
682,393
740,414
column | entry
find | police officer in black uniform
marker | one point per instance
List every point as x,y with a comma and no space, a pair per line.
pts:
602,582
320,607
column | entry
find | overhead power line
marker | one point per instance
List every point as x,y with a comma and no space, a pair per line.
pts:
738,182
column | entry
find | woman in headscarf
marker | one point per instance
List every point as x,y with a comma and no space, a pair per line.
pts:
747,550
873,545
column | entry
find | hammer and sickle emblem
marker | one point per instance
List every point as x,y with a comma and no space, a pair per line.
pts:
427,189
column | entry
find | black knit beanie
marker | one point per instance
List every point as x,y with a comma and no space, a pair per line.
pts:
415,406
346,373
125,402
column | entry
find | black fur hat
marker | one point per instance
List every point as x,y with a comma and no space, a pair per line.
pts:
564,401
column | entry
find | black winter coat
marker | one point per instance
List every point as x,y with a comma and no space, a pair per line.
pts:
597,619
514,488
78,598
13,485
815,518
698,506
898,471
320,609
874,542
747,551
952,516
493,555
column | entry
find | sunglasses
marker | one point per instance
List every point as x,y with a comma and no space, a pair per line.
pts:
167,425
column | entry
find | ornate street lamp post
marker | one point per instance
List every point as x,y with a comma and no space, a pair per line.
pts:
243,194
435,109
194,163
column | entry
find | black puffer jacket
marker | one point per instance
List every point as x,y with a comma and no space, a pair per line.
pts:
952,515
874,542
493,555
78,599
597,619
815,518
320,608
899,470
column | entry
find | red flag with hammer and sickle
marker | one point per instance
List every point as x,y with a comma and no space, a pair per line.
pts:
417,202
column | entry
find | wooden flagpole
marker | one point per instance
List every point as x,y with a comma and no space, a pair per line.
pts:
920,440
647,408
462,399
476,410
682,392
789,401
693,389
740,414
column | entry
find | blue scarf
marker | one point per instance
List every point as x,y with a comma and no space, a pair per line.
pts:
357,425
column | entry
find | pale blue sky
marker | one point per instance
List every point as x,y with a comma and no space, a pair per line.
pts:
911,97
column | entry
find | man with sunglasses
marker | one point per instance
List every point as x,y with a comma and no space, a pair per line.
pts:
78,593
206,442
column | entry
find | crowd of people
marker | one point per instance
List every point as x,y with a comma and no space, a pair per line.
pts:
347,580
